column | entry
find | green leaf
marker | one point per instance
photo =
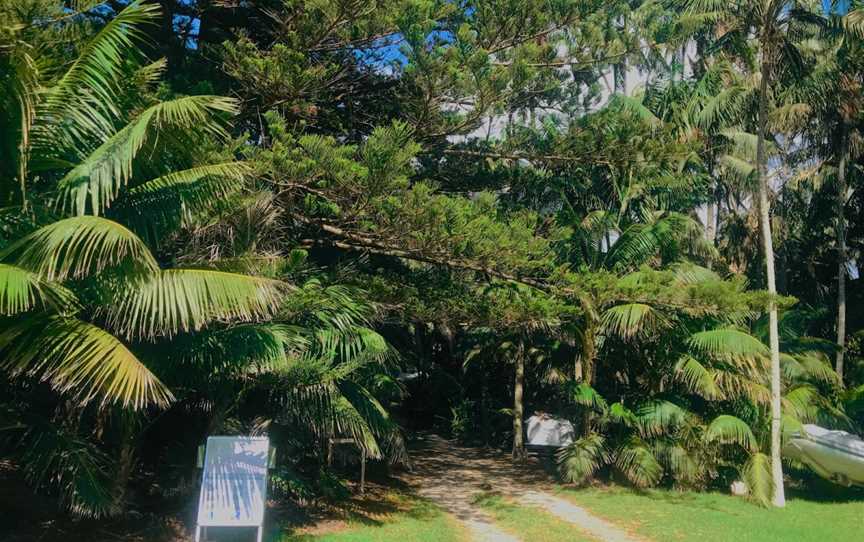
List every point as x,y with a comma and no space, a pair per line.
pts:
78,246
727,342
637,463
727,429
179,300
95,183
578,461
80,359
22,290
757,475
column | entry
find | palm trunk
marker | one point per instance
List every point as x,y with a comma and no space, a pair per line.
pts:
518,407
589,353
710,222
841,253
779,499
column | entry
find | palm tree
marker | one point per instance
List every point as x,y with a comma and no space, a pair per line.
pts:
87,302
764,31
832,100
661,431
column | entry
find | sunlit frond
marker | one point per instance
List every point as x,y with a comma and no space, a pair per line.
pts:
179,300
727,429
78,246
698,378
22,290
586,396
84,100
727,342
81,360
632,319
95,183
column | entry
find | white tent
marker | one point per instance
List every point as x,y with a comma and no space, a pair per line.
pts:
234,484
545,430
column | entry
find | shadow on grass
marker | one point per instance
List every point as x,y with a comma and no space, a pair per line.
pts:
818,490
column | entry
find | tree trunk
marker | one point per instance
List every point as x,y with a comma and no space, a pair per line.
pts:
841,253
518,408
779,498
711,222
484,415
589,353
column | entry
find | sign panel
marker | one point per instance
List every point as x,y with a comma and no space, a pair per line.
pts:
234,483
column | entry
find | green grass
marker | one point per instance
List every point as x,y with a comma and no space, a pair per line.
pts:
529,523
398,518
712,517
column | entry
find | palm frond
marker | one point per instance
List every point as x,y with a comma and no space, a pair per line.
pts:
727,342
813,366
54,457
83,102
580,460
78,246
740,169
167,302
636,107
237,351
168,201
387,434
727,429
637,463
95,183
22,290
586,396
684,465
632,319
698,378
757,475
658,416
80,359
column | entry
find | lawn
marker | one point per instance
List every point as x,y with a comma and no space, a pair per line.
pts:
529,523
713,517
396,518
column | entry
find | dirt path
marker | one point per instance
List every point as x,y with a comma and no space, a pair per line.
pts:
452,476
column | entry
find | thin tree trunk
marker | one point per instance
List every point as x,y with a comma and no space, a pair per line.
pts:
710,222
484,415
779,498
841,253
589,353
518,407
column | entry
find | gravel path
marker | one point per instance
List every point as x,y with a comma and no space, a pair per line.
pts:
452,476
566,510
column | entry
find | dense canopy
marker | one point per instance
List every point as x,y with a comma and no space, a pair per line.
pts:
325,219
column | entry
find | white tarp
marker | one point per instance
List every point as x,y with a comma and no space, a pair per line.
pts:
234,482
545,430
835,455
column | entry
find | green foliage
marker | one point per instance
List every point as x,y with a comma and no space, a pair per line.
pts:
425,189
